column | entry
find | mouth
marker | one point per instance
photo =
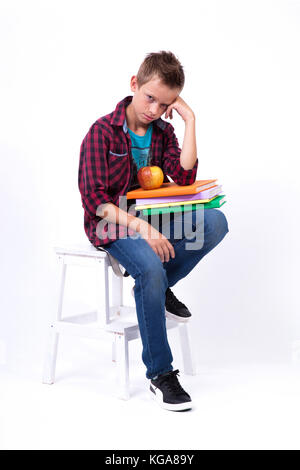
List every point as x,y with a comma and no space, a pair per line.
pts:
148,118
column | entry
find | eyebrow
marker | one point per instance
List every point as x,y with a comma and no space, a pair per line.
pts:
164,104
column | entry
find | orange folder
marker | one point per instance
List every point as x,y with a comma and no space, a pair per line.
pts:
171,189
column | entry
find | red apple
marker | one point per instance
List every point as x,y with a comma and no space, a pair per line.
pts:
150,177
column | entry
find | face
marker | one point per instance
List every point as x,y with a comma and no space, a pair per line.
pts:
152,99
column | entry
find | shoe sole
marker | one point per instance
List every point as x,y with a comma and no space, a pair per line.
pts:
174,317
169,314
169,406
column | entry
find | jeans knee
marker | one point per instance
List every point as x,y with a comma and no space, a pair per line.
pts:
222,224
217,224
155,276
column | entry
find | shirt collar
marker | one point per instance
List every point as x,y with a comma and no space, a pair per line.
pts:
119,116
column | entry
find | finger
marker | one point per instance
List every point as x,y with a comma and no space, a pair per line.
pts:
166,253
169,111
156,252
171,250
160,254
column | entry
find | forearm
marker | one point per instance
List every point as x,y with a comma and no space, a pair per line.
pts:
114,214
188,154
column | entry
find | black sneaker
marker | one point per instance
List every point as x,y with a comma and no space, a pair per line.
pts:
168,392
176,310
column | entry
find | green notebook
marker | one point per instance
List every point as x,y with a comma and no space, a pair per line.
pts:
215,203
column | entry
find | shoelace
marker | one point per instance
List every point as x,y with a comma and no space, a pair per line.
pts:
173,299
171,381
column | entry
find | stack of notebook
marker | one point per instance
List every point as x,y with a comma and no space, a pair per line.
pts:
171,197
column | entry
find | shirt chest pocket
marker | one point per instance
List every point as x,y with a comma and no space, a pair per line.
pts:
118,150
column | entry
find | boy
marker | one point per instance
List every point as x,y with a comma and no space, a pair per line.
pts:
112,152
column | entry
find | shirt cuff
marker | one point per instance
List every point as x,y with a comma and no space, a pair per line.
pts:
184,177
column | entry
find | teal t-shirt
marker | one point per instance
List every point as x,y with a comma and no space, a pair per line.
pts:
140,147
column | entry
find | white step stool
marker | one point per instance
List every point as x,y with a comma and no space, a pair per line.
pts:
117,320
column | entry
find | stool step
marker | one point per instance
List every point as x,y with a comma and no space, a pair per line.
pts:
80,250
91,329
122,327
116,313
123,310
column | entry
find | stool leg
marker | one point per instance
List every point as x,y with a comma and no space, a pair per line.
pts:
185,342
51,351
50,357
113,351
117,291
122,363
103,318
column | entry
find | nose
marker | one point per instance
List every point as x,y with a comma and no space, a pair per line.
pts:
153,109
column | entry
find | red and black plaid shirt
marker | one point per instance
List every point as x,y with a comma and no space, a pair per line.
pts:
107,169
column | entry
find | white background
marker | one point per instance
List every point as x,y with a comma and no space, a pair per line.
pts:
66,63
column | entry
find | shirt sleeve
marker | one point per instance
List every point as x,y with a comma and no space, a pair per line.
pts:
171,160
93,170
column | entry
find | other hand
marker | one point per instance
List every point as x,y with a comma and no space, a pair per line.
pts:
182,109
158,242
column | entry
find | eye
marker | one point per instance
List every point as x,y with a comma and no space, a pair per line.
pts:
149,97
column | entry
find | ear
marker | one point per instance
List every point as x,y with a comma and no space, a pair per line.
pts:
133,83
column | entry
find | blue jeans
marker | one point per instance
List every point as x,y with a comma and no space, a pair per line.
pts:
192,235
